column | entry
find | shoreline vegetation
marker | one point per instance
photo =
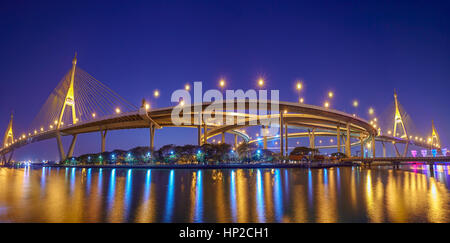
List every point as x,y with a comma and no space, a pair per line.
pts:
207,156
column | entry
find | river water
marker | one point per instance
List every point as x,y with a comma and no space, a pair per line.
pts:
346,194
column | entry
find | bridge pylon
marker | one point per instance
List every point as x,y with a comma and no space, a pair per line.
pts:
398,120
399,125
9,134
435,141
69,99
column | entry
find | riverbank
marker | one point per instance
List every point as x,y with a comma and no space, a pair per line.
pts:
218,166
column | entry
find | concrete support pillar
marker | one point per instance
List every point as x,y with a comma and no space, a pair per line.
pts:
223,138
405,152
281,134
384,149
396,150
60,146
199,135
348,150
338,139
361,139
205,133
235,141
152,138
10,156
286,136
72,146
103,135
373,146
265,137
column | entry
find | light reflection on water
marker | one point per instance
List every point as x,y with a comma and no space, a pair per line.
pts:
347,194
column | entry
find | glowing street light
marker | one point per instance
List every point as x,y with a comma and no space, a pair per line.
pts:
187,87
301,100
222,83
118,110
330,94
147,106
156,93
299,86
371,111
261,82
93,115
355,103
326,104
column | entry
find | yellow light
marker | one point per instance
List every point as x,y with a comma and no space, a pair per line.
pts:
42,129
326,104
375,125
56,122
389,132
51,126
147,106
117,110
261,82
222,83
156,93
301,100
23,136
93,115
285,111
187,87
320,141
415,138
355,103
330,94
371,111
299,86
35,131
331,140
375,119
182,103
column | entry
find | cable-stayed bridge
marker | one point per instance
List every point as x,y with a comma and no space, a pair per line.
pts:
81,104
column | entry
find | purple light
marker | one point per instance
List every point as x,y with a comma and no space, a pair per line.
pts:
424,152
444,151
414,153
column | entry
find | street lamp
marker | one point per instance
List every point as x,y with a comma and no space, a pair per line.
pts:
261,82
299,86
222,83
156,93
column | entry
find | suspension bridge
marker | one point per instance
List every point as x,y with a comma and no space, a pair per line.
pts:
81,104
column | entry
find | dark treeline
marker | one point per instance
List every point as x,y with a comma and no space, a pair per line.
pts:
172,154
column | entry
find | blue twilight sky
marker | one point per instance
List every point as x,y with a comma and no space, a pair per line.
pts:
358,49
